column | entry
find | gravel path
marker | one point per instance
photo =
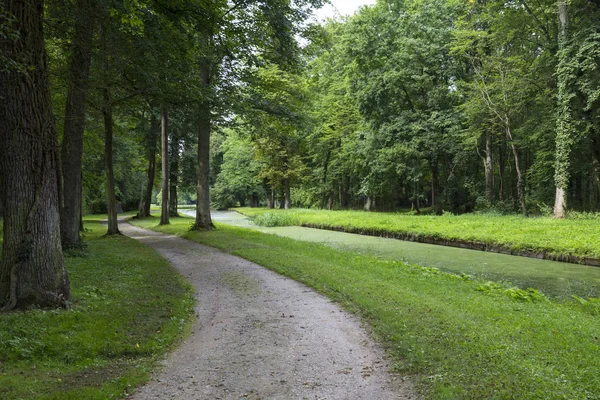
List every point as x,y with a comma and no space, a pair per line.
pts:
259,335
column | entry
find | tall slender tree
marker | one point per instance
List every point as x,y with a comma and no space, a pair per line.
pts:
151,141
74,125
164,152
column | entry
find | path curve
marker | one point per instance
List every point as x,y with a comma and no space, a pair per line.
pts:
259,335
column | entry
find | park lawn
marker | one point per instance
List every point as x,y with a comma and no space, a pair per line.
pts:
578,237
129,307
457,336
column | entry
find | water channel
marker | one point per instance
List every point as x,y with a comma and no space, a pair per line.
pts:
555,279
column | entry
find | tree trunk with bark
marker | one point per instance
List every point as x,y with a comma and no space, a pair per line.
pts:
74,125
151,150
203,218
287,196
32,271
111,201
173,178
271,198
164,152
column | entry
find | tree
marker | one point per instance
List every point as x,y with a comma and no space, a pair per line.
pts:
238,180
564,133
151,140
32,269
276,118
164,156
74,125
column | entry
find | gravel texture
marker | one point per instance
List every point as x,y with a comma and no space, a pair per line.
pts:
259,335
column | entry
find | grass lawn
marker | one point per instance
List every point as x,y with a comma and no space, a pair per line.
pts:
459,337
128,308
578,237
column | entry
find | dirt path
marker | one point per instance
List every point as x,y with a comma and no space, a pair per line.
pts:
259,335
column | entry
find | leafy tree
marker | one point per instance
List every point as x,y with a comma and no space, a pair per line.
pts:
239,179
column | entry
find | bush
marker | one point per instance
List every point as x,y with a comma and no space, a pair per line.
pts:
271,219
97,206
130,204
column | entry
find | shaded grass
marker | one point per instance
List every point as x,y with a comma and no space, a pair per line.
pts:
459,337
577,237
128,308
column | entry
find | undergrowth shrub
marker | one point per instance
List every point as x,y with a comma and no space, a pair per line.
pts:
590,305
527,295
272,219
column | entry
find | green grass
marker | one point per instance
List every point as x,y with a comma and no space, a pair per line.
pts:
128,308
578,237
459,337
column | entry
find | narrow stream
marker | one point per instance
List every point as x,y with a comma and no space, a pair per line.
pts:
555,279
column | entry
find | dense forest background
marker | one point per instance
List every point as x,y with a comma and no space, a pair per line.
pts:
441,105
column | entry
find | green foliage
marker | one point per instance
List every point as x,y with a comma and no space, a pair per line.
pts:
457,341
525,295
128,308
271,219
238,178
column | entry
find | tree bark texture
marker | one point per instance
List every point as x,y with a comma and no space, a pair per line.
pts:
111,201
32,271
164,153
203,219
173,178
74,125
151,151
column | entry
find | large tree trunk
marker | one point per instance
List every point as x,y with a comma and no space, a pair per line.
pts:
72,145
203,219
564,131
32,270
147,197
111,201
164,152
173,178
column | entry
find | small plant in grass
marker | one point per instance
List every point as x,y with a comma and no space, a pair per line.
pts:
271,219
527,295
590,305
